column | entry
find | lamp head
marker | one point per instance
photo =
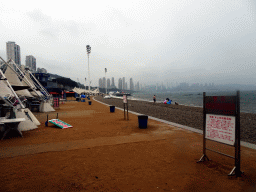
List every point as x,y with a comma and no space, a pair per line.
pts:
88,47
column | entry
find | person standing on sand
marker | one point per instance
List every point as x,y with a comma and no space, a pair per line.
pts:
154,98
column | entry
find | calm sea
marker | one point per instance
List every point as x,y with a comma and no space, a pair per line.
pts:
247,98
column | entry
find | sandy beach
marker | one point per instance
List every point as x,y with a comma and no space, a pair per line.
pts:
104,152
184,115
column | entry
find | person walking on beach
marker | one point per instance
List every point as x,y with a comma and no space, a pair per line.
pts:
154,98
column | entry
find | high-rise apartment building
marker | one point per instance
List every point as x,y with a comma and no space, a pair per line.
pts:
104,82
31,63
120,83
108,83
100,83
131,85
112,82
124,83
13,52
138,86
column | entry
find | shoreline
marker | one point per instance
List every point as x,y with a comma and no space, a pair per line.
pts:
184,115
161,102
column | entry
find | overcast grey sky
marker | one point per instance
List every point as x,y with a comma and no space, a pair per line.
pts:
193,41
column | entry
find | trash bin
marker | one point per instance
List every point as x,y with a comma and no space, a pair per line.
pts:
112,109
89,102
83,100
143,121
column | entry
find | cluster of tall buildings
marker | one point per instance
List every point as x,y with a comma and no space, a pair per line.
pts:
13,52
122,84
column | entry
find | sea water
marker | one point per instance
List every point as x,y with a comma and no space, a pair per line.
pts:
195,99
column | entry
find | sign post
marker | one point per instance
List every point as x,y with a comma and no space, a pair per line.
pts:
125,101
221,123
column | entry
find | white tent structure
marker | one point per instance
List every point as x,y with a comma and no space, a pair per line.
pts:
96,91
6,92
80,91
16,82
29,82
84,91
34,87
45,105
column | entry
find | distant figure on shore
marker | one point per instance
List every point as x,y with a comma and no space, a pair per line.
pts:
154,98
167,101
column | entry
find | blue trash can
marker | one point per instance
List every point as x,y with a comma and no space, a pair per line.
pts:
83,100
112,109
89,102
143,121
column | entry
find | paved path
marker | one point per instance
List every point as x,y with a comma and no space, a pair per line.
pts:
78,144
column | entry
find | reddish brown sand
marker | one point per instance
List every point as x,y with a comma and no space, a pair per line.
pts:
104,152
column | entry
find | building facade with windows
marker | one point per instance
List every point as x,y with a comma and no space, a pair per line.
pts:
100,83
112,82
108,83
41,70
131,85
31,63
13,52
120,84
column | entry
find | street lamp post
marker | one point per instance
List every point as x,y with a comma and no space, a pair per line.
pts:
84,82
88,47
106,80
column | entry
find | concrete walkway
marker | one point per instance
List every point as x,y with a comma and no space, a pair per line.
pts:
78,144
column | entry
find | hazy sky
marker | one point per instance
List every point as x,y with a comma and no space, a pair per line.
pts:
193,41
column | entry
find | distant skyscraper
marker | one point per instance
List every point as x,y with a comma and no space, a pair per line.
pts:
100,83
131,84
13,52
120,84
126,86
112,82
124,83
31,63
104,82
138,86
108,83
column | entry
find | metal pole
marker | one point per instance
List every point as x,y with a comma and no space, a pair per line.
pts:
237,155
106,81
127,111
124,111
89,76
204,121
204,157
88,47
